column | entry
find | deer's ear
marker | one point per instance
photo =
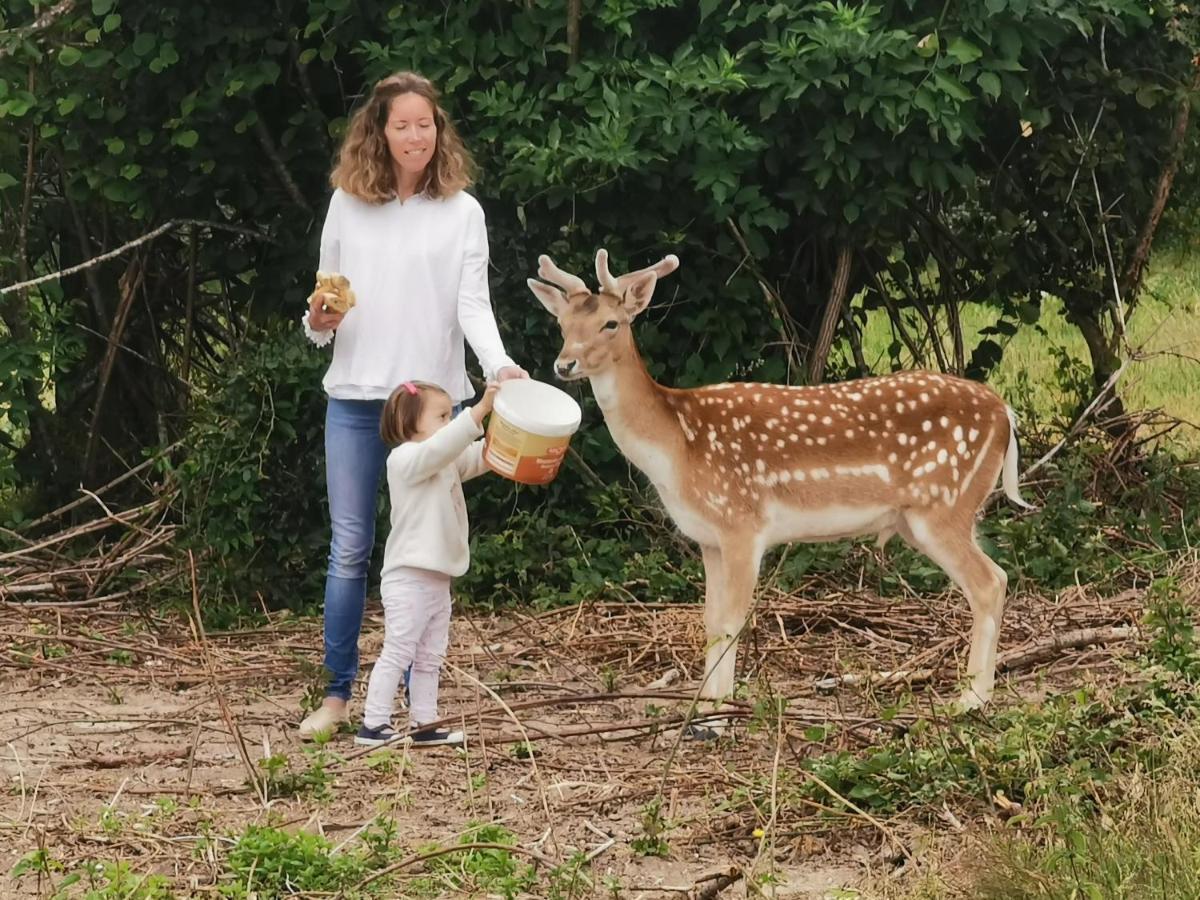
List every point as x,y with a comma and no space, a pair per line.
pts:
552,298
638,291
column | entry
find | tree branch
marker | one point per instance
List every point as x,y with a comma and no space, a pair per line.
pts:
40,24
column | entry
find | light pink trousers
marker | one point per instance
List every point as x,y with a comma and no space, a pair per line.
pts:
416,616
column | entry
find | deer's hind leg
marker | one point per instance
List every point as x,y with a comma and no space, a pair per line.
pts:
947,537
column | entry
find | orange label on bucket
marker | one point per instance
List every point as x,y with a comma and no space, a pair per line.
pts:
523,456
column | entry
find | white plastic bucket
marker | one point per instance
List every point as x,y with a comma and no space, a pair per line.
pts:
531,426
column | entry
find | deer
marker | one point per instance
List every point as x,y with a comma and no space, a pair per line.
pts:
743,467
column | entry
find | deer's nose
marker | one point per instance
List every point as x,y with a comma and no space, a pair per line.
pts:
563,369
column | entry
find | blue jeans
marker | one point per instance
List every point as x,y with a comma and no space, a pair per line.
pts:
355,456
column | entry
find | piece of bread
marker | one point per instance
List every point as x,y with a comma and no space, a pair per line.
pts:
336,292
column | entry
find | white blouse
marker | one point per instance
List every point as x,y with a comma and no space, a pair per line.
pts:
419,272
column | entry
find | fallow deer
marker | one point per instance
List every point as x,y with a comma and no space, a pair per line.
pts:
743,467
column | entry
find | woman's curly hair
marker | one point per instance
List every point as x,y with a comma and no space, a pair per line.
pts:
364,165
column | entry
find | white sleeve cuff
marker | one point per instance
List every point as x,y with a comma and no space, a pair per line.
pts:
503,363
320,338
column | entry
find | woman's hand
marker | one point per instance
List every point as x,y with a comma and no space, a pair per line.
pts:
319,318
484,406
509,372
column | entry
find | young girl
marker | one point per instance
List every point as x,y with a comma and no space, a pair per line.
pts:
432,455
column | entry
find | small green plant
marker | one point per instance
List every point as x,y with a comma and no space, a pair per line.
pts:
269,862
122,657
570,880
388,762
608,679
110,821
118,880
524,750
38,863
478,871
1171,622
652,841
314,781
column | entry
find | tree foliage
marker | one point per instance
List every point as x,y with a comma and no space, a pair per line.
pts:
985,151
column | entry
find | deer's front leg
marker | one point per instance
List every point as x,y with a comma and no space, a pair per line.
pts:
730,575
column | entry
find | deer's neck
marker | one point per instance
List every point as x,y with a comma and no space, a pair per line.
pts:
638,416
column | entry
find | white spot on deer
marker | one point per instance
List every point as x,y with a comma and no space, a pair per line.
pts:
899,407
962,450
972,434
822,441
785,476
826,420
849,432
926,425
760,465
942,454
944,422
958,432
818,474
892,457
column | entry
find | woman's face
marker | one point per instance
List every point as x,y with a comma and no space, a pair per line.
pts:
411,133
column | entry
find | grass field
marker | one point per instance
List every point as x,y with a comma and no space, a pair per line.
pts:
1163,329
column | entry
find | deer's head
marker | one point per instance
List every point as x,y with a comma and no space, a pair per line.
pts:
595,325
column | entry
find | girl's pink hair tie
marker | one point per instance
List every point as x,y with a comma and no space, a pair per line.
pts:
410,387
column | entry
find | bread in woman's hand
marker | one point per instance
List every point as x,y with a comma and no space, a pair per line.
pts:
335,291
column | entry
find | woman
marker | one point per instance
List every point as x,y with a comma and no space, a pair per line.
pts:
414,245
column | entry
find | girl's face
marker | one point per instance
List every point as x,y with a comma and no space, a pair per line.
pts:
411,133
434,415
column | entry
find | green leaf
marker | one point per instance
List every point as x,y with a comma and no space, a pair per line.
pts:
115,146
100,7
963,50
96,58
112,22
7,181
186,139
144,43
989,82
68,56
851,212
708,7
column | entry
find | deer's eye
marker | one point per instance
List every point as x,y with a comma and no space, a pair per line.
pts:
611,325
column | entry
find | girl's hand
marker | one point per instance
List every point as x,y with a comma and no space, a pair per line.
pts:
319,318
484,406
511,372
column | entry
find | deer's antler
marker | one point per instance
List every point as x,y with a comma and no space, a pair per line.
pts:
608,283
571,284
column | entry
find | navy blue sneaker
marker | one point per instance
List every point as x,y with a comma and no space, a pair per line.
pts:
437,737
377,737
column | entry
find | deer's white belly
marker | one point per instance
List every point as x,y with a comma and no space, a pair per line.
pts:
689,520
826,523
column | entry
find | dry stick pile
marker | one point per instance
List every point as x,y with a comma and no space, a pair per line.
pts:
84,564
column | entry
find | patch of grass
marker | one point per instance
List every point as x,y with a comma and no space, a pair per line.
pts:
269,862
476,872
